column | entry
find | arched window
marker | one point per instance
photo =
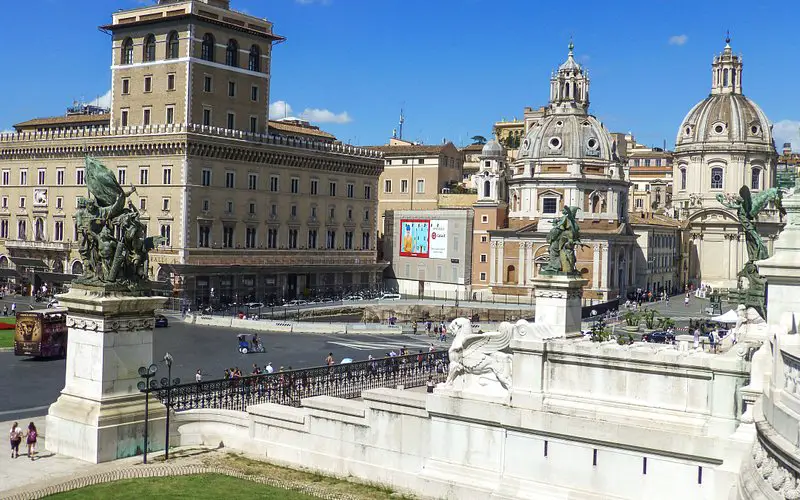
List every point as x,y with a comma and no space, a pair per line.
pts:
173,45
511,274
232,53
149,48
254,64
22,230
733,77
683,179
755,179
3,262
716,178
77,268
566,90
207,52
596,204
127,51
725,77
487,189
38,230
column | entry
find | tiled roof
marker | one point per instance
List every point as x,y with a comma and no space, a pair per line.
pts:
408,150
295,129
66,120
641,218
473,147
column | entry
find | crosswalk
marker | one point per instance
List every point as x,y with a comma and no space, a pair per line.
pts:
381,345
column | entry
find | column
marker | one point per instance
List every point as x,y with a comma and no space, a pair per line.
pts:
500,262
604,266
530,266
523,248
492,264
596,266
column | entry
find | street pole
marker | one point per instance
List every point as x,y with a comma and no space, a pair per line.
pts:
144,386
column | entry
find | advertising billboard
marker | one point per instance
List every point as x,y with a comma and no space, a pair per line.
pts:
438,242
414,238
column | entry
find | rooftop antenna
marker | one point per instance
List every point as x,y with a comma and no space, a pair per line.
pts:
285,111
402,120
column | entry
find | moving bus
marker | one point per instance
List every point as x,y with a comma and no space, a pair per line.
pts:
41,333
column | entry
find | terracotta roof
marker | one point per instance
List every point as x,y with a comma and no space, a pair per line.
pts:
296,129
640,218
473,147
408,150
66,120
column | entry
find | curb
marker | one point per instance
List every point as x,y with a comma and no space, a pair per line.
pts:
6,349
147,471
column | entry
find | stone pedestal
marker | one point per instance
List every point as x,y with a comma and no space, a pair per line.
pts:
99,416
558,303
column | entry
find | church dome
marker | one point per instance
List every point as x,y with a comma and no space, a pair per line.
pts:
567,136
726,116
493,148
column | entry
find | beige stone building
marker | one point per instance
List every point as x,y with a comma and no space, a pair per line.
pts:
414,175
650,173
248,214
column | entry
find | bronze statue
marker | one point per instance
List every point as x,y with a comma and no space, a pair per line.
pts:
113,241
563,239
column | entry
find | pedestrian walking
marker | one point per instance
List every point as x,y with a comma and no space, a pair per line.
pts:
696,338
429,384
13,308
269,368
15,438
5,310
686,300
31,435
329,360
198,377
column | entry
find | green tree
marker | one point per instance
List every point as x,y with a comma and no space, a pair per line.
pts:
478,139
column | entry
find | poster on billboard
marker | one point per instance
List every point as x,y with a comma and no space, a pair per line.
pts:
438,243
414,236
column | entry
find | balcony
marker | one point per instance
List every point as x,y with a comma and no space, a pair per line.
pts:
280,257
51,246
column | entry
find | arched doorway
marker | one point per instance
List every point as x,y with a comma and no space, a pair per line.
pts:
3,262
58,267
77,268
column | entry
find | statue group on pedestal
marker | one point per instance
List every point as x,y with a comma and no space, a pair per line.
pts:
563,240
113,240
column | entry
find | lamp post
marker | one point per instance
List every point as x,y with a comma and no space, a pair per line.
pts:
167,383
146,373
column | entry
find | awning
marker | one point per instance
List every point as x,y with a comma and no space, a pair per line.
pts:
9,273
55,277
729,317
22,262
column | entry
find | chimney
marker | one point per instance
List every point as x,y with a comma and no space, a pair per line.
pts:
787,149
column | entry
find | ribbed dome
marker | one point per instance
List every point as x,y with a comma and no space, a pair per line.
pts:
724,118
576,136
493,148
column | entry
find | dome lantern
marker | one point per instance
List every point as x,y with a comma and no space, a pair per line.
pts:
726,71
569,87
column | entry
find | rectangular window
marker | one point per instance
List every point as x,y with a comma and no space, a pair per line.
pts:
367,192
349,214
21,202
549,205
293,211
313,212
332,213
79,177
40,177
58,233
144,175
229,206
366,215
254,93
420,186
206,205
484,219
146,116
60,203
365,241
250,237
351,190
273,210
716,178
148,84
143,204
231,121
6,177
658,162
126,86
755,179
348,240
292,243
207,117
231,89
295,185
4,228
484,239
227,237
331,241
314,186
203,236
647,162
639,203
483,277
60,177
483,257
171,81
230,180
165,204
23,177
206,177
422,160
253,124
170,115
405,161
683,179
387,186
252,181
312,239
332,189
252,208
273,183
272,238
208,84
124,119
404,186
167,177
121,176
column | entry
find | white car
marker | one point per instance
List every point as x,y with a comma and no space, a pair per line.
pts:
391,296
297,303
255,305
354,298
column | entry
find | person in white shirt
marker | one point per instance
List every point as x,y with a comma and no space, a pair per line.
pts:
198,377
269,368
15,437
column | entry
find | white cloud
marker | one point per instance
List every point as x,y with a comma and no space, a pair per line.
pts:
325,116
786,131
282,109
104,101
678,39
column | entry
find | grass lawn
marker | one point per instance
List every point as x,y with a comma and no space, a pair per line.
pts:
211,486
6,338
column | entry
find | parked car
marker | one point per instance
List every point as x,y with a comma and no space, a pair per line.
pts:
161,321
659,337
390,296
297,302
353,298
254,305
326,300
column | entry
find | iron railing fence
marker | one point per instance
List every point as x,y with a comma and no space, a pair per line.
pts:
288,388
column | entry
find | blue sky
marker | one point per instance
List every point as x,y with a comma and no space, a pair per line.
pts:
456,66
